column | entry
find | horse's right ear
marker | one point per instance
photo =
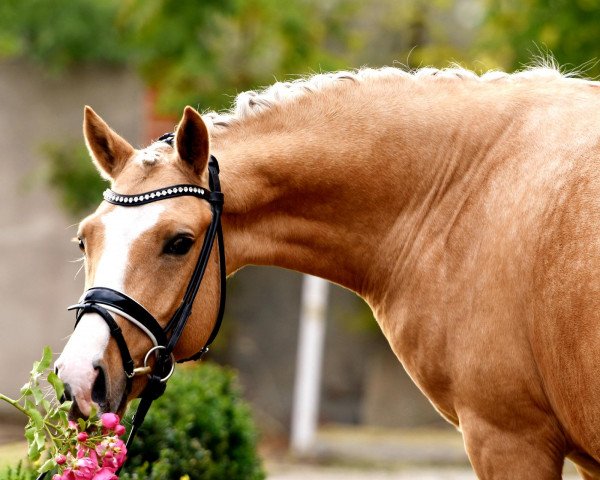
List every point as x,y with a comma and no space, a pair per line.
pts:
108,149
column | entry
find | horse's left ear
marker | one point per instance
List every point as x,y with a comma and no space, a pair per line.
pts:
191,140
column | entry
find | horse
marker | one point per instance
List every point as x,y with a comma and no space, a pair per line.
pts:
464,208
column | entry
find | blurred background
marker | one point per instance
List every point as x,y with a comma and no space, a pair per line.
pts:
138,63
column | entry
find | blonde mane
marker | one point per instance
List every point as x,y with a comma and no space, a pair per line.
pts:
253,102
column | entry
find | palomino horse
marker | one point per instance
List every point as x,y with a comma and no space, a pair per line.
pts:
464,209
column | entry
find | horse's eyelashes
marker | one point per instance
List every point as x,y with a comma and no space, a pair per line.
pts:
179,245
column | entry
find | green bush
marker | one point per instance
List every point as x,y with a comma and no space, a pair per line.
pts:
199,429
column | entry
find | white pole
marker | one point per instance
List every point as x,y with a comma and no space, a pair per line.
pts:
311,337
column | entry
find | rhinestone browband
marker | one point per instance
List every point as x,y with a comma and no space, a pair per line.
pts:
160,194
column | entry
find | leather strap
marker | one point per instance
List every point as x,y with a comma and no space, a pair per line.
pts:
115,332
215,184
126,307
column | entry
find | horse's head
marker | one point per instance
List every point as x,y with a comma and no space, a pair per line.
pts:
147,251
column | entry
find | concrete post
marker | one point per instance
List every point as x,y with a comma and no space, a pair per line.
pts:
311,340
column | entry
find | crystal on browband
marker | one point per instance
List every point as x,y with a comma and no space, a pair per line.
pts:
160,194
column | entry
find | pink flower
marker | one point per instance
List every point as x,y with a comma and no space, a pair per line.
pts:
85,468
83,451
101,448
66,475
105,474
120,451
110,420
93,457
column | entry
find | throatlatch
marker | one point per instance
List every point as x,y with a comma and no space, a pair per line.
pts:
105,301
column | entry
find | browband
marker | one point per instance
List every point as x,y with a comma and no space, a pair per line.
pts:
162,194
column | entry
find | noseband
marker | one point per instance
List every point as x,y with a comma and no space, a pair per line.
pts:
106,301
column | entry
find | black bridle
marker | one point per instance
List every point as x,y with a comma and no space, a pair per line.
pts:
105,301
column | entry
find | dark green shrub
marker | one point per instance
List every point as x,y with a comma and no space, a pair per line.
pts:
200,428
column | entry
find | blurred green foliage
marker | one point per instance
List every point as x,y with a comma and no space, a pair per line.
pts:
516,31
61,33
23,471
70,172
204,52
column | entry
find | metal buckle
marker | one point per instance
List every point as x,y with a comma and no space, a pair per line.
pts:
146,369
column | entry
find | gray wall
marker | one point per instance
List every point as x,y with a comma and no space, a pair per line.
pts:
37,279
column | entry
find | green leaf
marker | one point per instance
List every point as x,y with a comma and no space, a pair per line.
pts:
36,368
40,439
25,389
66,406
30,433
46,360
47,466
36,417
53,414
82,424
57,384
29,406
64,419
37,393
33,452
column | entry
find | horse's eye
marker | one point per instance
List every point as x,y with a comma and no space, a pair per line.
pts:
180,245
81,244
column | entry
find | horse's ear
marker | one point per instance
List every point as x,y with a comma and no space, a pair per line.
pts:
109,151
191,140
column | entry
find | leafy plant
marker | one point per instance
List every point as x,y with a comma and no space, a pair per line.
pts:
81,449
200,429
47,419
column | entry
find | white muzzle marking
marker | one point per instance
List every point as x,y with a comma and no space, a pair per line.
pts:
86,346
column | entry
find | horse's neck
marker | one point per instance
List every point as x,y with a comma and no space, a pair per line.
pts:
294,204
341,191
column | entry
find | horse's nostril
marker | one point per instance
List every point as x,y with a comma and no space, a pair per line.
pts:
67,395
99,388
